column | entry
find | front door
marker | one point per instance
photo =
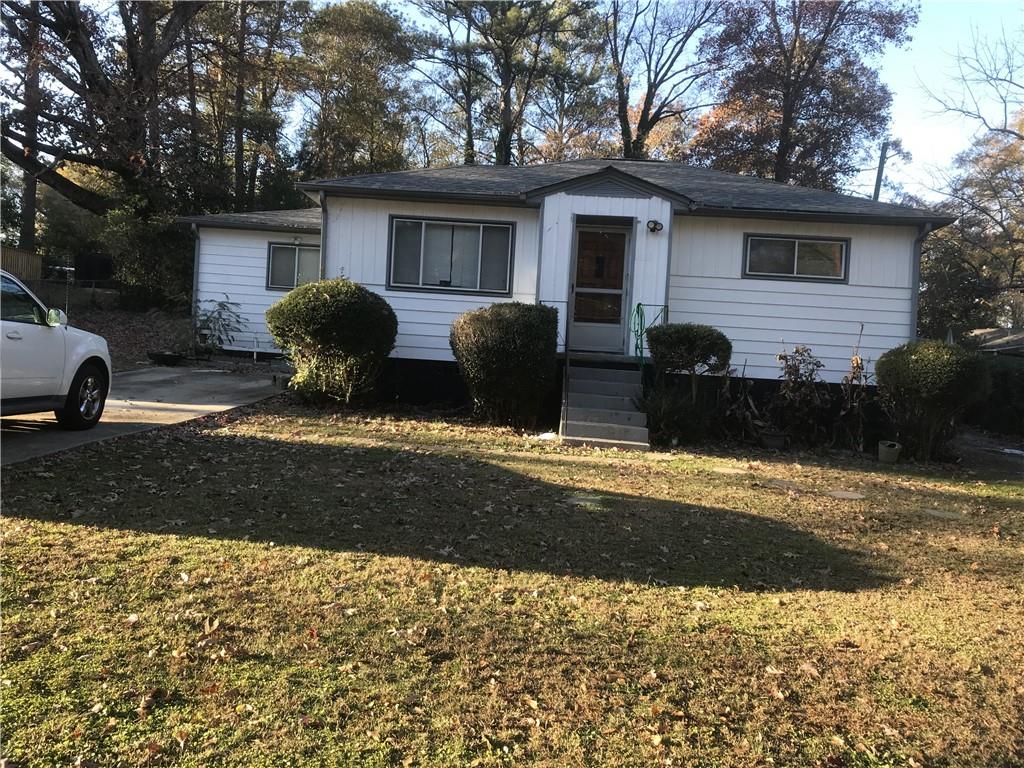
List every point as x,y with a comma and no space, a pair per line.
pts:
598,294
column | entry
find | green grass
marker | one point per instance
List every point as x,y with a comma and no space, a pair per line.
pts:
279,587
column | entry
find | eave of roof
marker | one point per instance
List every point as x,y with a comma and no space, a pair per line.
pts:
515,201
300,221
848,218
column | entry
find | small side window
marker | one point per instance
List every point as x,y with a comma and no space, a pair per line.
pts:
16,306
292,265
795,258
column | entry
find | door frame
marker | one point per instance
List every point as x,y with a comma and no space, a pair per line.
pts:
593,224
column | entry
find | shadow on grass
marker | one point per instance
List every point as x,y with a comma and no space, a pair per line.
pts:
419,504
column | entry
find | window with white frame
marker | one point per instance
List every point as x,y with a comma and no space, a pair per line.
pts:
451,255
795,257
292,265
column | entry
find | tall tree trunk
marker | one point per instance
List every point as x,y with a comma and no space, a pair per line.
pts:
193,108
783,170
27,236
469,147
506,130
240,108
622,111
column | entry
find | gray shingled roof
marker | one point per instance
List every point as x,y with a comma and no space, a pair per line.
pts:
297,220
700,190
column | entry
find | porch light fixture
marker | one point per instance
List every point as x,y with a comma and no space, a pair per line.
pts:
655,226
296,240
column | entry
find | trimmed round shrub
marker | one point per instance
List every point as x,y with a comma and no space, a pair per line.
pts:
689,348
506,354
925,386
338,335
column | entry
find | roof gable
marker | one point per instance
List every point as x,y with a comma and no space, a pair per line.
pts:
608,181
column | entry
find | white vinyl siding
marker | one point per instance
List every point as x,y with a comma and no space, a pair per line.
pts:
764,317
233,263
358,235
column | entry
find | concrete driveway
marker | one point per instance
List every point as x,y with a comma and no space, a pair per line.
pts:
139,400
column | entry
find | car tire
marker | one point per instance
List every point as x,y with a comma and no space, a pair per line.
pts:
86,398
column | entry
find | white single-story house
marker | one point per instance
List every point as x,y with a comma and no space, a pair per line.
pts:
614,245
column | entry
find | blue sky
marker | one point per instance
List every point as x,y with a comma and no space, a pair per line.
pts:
928,60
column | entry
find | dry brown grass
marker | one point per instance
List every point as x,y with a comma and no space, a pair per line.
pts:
278,587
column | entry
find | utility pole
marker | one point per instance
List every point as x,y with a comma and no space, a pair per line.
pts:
881,169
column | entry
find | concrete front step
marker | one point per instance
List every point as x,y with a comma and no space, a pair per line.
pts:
605,431
604,402
588,373
597,387
595,442
630,418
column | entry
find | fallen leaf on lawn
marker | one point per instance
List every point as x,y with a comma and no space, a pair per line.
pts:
809,669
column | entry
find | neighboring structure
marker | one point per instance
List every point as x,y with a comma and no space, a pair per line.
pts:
614,245
998,341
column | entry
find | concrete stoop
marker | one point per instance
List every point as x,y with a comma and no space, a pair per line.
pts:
601,409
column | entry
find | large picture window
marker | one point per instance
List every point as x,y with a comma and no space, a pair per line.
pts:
451,255
795,258
292,265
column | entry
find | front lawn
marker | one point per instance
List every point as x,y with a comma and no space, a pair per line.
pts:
276,587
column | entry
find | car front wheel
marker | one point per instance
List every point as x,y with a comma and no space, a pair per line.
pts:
86,398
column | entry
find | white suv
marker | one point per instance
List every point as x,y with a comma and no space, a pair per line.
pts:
45,364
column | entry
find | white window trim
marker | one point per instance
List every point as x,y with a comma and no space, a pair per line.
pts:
843,242
295,277
423,221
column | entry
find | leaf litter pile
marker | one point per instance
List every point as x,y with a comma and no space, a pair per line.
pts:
278,586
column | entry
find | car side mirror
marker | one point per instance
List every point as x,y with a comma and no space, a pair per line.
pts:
56,317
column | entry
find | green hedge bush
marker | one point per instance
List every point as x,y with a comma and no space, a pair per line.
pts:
1003,410
338,335
506,354
689,348
925,386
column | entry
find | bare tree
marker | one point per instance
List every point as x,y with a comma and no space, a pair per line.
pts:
990,83
654,51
